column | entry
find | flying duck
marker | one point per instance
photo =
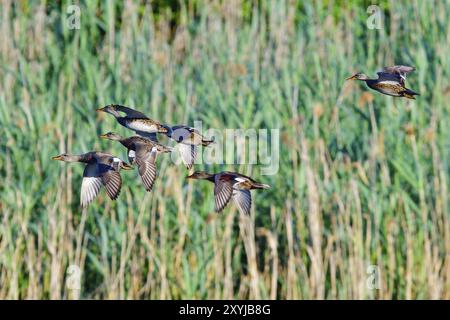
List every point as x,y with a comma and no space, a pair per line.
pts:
390,81
143,152
229,185
135,120
187,139
101,169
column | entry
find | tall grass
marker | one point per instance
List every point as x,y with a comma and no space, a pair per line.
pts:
363,177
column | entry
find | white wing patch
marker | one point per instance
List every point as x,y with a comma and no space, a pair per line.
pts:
90,186
188,154
131,156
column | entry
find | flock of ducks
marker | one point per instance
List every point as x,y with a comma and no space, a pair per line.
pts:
102,169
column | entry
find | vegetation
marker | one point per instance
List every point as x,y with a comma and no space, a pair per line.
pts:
363,177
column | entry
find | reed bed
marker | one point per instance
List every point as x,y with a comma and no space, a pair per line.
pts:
362,179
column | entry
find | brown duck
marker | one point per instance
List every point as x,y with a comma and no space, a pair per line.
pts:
390,81
187,139
135,120
101,169
143,152
231,185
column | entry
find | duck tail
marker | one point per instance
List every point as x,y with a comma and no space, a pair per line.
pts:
257,185
408,93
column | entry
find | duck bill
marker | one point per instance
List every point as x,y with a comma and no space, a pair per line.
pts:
163,129
351,78
126,166
57,158
261,186
102,109
103,136
206,143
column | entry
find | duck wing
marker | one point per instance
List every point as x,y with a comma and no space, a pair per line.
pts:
90,185
389,83
188,154
396,73
148,135
243,200
131,113
111,179
399,69
223,190
145,160
389,77
182,126
131,156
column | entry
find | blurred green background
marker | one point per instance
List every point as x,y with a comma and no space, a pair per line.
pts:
363,177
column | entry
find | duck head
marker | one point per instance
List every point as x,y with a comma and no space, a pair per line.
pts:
358,76
66,157
111,136
111,109
200,175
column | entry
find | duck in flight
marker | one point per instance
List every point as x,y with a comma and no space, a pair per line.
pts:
143,152
135,120
187,139
390,81
231,185
101,169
